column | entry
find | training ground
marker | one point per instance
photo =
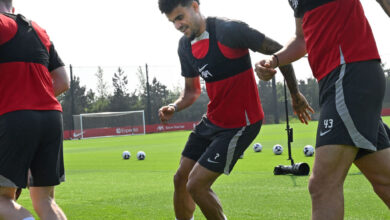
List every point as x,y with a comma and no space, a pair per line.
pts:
101,185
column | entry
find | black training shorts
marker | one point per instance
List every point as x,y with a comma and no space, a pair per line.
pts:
351,103
31,140
216,148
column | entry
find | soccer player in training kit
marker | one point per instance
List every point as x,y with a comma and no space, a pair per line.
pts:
31,76
344,58
217,50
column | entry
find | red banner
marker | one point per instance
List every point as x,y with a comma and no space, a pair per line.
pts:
116,131
170,127
386,112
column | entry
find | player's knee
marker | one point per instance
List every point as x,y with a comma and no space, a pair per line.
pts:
180,180
38,207
192,187
382,189
312,186
323,186
43,204
48,210
380,182
7,193
316,186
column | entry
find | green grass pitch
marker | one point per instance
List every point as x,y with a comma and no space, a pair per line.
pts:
101,185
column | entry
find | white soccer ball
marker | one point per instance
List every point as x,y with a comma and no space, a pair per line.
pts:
257,147
126,155
141,155
308,150
278,149
241,156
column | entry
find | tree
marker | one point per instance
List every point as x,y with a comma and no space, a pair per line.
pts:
282,99
311,91
158,97
120,99
195,111
267,100
119,81
101,103
90,100
81,102
275,103
102,86
141,79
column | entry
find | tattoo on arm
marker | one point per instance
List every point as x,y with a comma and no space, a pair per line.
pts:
289,75
269,47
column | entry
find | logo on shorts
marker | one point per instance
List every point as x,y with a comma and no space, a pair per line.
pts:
325,132
328,124
215,158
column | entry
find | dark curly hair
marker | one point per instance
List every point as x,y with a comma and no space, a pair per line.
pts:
167,6
8,3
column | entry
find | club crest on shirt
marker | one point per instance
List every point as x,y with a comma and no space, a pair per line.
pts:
205,73
294,3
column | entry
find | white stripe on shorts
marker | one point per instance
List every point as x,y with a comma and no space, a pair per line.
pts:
231,148
358,139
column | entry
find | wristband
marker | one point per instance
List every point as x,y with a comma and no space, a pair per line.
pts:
277,59
174,106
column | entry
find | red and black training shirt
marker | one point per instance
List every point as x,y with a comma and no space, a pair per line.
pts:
26,58
336,32
220,56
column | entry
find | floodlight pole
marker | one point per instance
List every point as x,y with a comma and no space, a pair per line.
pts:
148,107
71,99
288,129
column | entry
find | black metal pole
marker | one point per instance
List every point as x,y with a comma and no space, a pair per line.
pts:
148,107
299,169
288,129
276,110
71,99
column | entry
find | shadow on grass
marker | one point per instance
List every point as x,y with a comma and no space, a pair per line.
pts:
354,174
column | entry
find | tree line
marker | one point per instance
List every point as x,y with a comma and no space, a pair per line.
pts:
150,96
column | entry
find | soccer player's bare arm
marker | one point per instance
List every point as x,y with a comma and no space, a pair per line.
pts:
295,48
299,102
60,80
191,92
270,46
385,5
